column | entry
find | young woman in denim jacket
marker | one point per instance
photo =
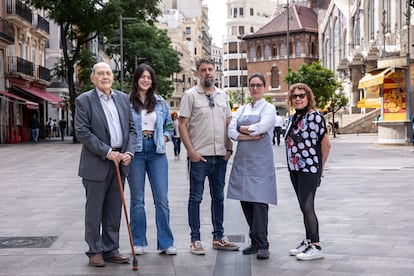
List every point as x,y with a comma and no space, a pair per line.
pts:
155,127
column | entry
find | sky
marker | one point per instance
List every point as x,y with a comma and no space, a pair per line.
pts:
217,14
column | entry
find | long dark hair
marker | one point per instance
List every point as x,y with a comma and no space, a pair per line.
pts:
150,100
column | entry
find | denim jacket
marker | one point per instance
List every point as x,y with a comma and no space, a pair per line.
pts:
163,126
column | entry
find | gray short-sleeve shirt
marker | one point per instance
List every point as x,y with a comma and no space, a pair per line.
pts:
207,125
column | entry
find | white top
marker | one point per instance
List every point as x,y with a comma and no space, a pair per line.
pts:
267,112
112,117
148,120
279,121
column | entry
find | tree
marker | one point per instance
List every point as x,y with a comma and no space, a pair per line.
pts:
143,42
327,90
82,21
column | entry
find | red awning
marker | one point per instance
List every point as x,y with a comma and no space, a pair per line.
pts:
41,93
29,104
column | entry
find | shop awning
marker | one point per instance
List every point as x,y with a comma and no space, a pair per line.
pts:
40,93
374,79
369,103
29,104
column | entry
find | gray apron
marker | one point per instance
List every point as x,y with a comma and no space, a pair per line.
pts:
253,176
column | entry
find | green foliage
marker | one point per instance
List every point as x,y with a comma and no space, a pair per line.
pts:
143,42
60,70
321,80
86,62
82,21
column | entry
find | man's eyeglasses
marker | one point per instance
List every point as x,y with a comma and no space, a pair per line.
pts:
300,96
256,85
210,98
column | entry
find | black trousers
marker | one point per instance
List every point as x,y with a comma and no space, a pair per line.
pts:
305,185
257,218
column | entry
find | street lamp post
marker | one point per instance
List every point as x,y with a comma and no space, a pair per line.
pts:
287,41
121,47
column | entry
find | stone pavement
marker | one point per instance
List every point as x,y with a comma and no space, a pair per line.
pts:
365,207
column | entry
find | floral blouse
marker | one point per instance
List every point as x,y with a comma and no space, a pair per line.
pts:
303,142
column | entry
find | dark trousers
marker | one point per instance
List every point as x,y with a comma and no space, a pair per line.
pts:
103,215
305,185
276,134
257,218
177,145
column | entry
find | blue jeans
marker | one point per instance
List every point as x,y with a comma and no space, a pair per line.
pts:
156,167
215,170
35,134
177,145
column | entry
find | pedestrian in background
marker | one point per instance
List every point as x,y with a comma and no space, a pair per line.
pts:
104,126
253,179
176,136
307,149
204,118
155,127
34,126
62,128
278,128
49,128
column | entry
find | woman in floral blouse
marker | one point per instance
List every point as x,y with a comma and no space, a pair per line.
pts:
307,149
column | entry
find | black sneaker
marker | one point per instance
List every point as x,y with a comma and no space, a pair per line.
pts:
262,254
250,250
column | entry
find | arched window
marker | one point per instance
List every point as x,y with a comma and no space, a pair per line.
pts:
371,24
267,52
282,50
251,53
275,76
258,52
274,50
298,48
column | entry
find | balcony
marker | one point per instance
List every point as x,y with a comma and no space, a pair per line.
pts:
19,13
43,73
17,66
41,26
6,32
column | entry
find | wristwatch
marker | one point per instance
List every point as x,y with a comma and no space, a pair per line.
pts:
231,151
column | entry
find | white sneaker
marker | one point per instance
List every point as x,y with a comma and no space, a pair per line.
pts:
197,248
139,250
170,251
310,253
299,249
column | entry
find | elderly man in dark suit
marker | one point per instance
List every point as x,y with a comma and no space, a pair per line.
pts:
104,125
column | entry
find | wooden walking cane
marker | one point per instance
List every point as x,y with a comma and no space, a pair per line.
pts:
121,191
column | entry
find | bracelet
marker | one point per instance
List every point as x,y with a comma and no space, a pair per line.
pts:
231,151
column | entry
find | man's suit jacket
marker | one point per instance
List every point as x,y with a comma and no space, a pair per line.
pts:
92,131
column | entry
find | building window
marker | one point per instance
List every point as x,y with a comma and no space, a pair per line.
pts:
267,52
241,12
234,12
274,51
258,52
187,30
243,64
234,30
252,29
251,53
298,48
251,12
282,50
234,81
233,48
275,76
241,30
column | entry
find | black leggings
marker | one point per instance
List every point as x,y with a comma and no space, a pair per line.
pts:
305,185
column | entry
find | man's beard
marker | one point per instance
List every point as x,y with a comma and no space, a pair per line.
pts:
208,82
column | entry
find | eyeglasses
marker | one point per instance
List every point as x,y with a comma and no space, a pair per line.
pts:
300,96
256,85
210,100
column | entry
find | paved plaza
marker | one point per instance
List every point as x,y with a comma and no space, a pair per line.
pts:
365,206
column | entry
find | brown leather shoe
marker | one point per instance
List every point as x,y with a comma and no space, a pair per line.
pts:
119,259
96,260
